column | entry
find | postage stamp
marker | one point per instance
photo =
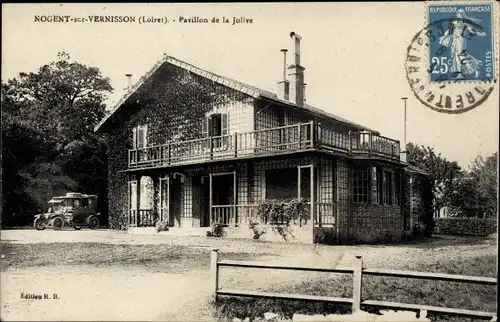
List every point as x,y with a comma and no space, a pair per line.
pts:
452,63
461,42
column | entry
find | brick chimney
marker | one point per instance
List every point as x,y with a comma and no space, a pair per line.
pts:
284,85
296,73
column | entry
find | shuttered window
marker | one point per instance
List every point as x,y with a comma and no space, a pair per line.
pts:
216,125
139,136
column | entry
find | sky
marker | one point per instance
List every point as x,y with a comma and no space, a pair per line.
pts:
354,55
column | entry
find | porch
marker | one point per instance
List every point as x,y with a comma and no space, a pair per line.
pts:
272,141
203,197
241,214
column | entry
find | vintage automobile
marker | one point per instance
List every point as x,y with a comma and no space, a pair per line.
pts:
73,209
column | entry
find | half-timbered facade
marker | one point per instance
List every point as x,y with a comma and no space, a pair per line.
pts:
192,148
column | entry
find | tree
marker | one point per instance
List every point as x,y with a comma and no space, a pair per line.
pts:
48,141
442,173
484,173
462,200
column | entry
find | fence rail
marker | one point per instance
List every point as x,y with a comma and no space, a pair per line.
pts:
357,272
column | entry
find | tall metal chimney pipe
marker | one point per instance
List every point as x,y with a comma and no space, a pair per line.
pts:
284,51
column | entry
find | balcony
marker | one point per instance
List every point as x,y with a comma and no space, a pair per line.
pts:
273,141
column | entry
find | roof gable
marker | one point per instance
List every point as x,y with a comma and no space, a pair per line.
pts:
226,81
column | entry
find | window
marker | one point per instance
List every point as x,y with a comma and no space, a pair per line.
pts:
361,183
387,187
139,136
283,183
216,125
85,202
377,185
76,203
397,188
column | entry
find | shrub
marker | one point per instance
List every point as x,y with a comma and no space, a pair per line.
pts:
281,212
278,214
465,226
257,229
162,226
217,230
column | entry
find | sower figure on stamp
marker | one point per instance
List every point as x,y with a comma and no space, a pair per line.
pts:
462,63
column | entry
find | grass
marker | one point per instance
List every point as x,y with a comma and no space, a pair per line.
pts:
466,256
469,258
156,258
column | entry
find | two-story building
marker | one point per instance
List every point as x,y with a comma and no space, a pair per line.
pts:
192,148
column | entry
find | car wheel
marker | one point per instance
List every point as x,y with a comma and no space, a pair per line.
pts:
57,223
93,222
39,225
77,227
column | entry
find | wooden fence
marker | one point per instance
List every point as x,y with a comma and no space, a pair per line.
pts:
357,272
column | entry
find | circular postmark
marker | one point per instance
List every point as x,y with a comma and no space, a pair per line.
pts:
443,73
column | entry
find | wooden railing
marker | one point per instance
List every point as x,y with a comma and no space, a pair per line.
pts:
143,218
324,214
290,138
374,145
357,272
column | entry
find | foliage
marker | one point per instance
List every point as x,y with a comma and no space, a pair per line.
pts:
475,192
217,230
257,229
423,209
281,212
174,103
162,226
485,172
471,193
48,142
465,226
278,214
442,172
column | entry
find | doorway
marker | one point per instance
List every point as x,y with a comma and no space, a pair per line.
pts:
201,200
175,202
223,198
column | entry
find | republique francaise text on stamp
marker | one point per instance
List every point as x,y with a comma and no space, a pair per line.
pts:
450,64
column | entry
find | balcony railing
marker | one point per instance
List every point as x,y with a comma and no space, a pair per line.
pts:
241,214
291,138
231,215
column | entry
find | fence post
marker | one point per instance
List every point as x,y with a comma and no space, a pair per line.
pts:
214,258
356,285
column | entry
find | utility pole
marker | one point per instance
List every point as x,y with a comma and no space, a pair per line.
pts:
404,134
404,137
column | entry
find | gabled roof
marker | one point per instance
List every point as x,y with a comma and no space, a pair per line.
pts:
226,81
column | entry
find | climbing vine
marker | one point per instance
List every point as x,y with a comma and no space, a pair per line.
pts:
173,103
277,215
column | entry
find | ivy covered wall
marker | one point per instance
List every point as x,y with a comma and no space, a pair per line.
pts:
173,103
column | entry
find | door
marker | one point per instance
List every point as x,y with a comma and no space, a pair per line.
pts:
164,199
175,202
223,197
79,213
205,202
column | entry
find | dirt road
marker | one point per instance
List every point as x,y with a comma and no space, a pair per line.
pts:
91,293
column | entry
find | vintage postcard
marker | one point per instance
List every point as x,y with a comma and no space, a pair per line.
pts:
250,161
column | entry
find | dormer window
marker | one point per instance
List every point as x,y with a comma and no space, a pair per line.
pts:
139,136
216,126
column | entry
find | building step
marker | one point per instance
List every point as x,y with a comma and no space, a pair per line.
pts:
173,231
